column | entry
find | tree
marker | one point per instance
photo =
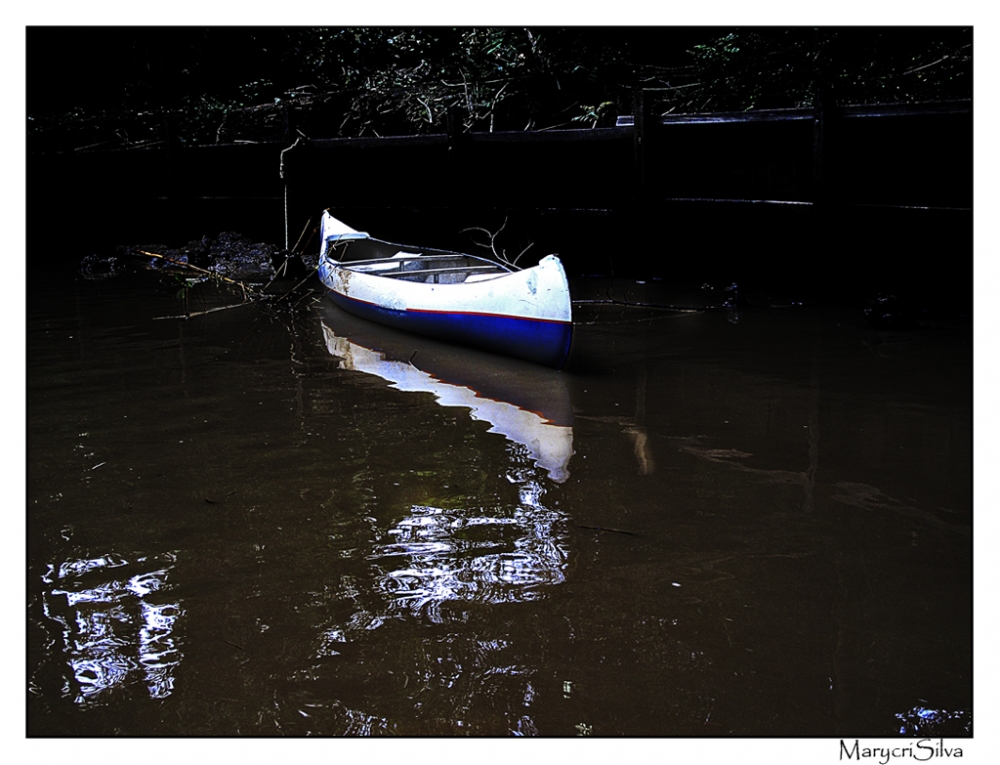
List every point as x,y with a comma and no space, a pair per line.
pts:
757,68
121,86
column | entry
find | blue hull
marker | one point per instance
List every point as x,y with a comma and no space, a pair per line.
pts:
539,341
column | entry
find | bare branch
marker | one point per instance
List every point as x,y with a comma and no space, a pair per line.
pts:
500,255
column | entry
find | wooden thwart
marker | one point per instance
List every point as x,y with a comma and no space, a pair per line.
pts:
401,259
436,271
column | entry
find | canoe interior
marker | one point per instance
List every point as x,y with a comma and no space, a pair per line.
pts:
408,263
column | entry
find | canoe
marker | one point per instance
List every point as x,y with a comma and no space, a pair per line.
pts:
450,296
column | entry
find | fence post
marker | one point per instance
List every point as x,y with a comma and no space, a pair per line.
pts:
823,108
453,125
640,125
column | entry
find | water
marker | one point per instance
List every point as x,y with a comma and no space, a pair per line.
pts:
710,524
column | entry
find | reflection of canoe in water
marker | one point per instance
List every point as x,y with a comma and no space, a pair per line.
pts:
526,403
450,296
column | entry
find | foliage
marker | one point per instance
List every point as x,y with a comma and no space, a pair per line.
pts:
138,87
779,68
406,80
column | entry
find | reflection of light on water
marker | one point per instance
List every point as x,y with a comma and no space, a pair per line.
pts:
117,630
362,724
439,562
442,555
434,556
550,445
921,721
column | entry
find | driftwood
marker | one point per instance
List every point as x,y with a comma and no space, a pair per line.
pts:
247,289
252,295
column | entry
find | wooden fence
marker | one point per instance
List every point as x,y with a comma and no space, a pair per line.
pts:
850,189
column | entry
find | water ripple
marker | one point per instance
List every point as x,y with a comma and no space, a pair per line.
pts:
115,633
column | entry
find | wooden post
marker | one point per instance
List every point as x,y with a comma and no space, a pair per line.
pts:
453,124
162,64
640,112
823,112
171,145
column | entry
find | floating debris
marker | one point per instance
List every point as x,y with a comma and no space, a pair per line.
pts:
96,267
229,254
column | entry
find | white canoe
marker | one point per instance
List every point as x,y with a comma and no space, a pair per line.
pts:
450,296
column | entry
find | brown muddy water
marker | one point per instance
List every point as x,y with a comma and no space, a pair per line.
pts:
710,524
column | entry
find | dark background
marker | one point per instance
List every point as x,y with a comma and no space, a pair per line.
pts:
833,163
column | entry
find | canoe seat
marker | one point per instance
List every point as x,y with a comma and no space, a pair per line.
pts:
438,271
374,268
399,257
